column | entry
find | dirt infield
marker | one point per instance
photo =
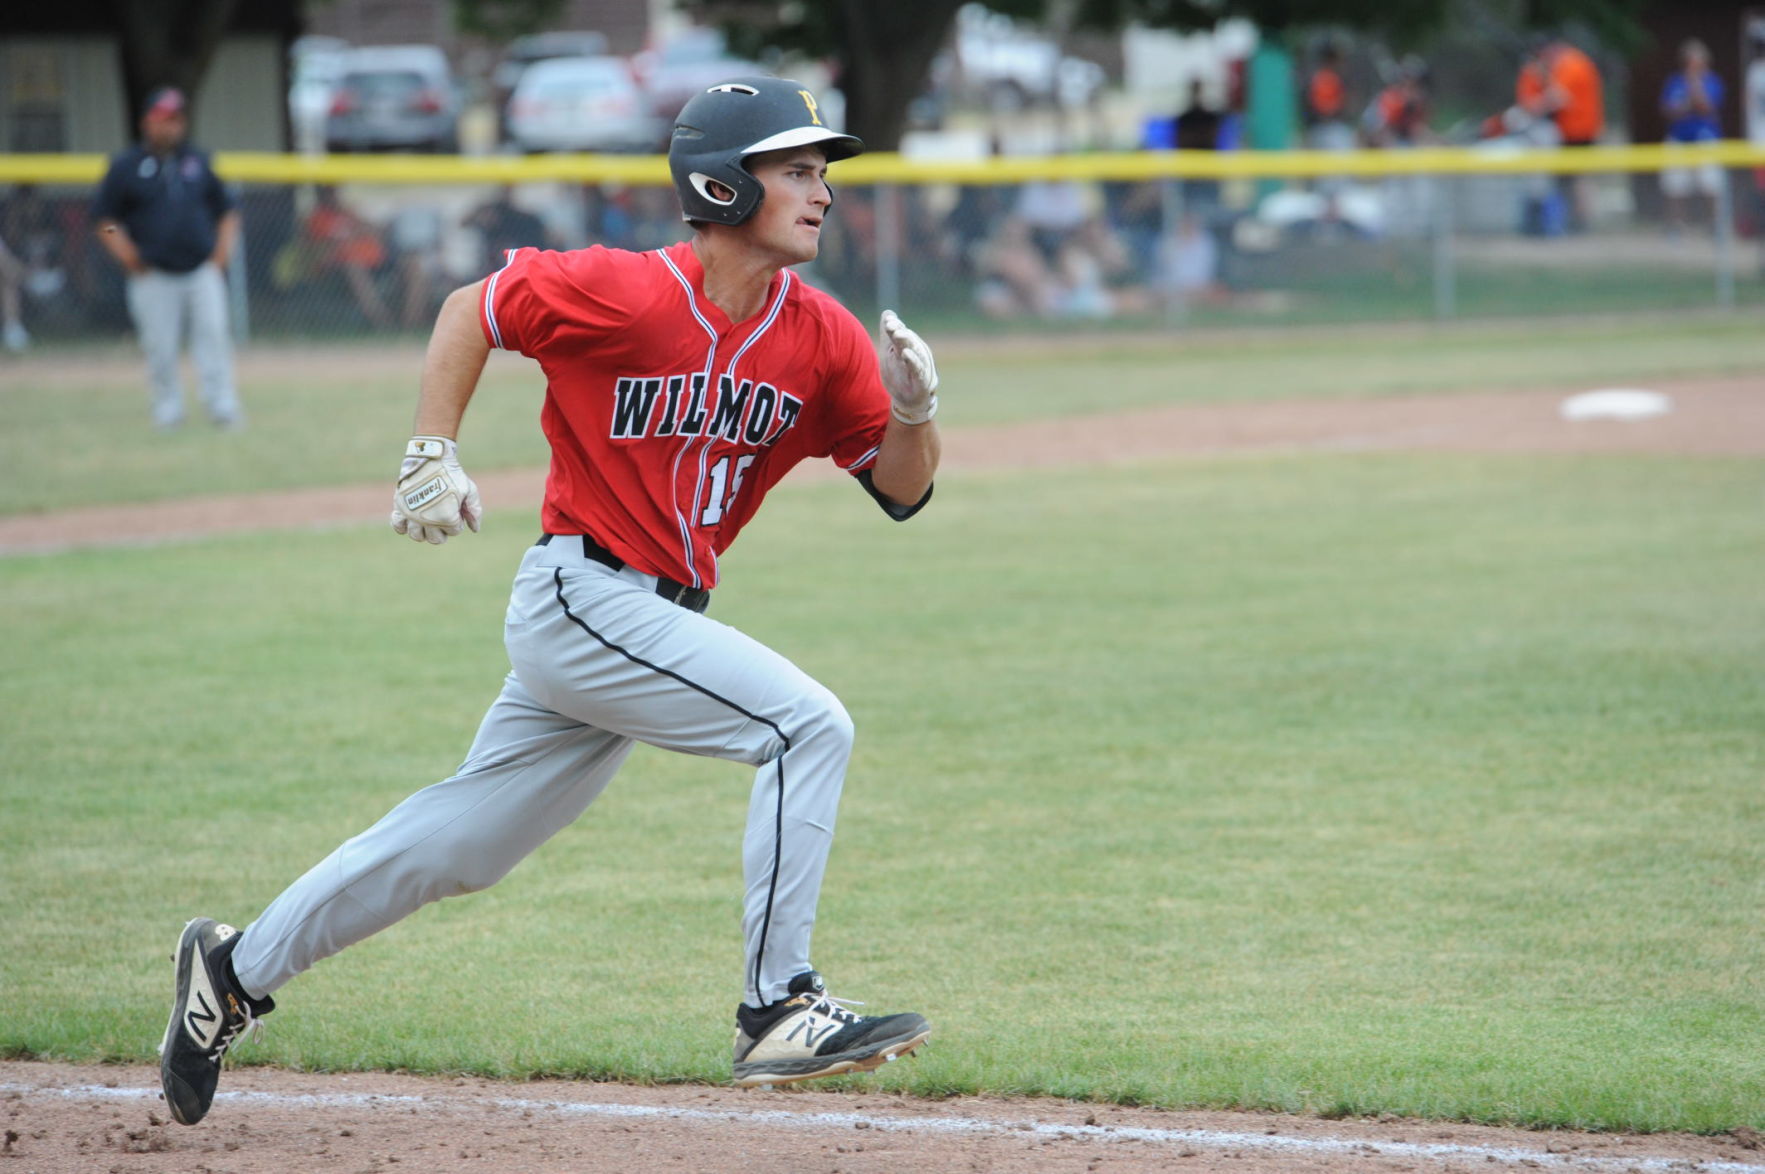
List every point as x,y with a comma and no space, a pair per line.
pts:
1710,417
59,1118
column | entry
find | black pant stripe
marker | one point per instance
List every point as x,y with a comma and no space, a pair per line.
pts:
778,811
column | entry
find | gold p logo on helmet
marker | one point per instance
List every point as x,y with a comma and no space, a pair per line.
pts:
809,101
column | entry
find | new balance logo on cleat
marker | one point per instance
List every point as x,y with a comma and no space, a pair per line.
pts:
813,1030
201,1019
810,1033
208,1014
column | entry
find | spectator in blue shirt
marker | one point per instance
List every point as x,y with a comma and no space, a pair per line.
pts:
1691,101
166,219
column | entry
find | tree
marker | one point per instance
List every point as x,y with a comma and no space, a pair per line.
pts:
882,50
504,20
167,43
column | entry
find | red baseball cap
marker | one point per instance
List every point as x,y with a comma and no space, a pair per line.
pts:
165,102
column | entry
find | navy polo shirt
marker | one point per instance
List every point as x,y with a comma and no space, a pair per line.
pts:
171,205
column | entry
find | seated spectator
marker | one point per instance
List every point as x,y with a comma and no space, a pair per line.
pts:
1325,108
1092,275
13,335
1327,126
655,218
1198,128
1398,119
504,226
1052,210
1398,116
1089,274
978,210
1188,266
847,260
1136,217
415,235
1015,279
32,266
349,246
599,216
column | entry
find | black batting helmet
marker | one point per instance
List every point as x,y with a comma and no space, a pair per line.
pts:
719,129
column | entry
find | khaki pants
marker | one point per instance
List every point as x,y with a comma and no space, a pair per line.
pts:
162,305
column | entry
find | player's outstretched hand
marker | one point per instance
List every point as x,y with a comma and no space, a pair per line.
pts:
908,372
435,499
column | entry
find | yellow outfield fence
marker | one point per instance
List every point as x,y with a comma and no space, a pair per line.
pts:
340,245
889,168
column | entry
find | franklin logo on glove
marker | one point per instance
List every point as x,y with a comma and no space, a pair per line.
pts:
435,499
428,493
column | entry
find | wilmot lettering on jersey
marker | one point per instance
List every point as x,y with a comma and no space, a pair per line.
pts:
675,405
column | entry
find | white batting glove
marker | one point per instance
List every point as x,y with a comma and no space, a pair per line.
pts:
435,499
908,372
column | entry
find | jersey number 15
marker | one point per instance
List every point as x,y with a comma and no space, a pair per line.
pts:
724,487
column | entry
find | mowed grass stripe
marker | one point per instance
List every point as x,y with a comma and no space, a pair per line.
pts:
1396,784
63,446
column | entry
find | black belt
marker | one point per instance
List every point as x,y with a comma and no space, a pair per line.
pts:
691,598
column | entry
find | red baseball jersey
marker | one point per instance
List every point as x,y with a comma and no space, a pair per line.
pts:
667,422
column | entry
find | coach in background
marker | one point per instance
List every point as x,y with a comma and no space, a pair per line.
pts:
165,217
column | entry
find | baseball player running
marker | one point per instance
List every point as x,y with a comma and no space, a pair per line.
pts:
682,384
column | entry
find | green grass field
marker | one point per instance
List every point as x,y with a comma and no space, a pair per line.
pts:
1341,784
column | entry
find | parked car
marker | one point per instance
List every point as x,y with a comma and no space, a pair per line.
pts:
525,51
394,96
696,59
314,66
582,104
1009,67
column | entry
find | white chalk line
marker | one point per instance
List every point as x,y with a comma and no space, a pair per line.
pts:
1204,1138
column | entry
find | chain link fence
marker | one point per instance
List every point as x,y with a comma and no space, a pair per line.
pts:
354,249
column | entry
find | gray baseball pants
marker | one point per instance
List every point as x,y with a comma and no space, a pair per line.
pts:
600,662
163,305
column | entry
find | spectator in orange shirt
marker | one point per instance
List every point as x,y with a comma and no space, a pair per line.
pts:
347,244
1327,126
1398,116
1560,82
